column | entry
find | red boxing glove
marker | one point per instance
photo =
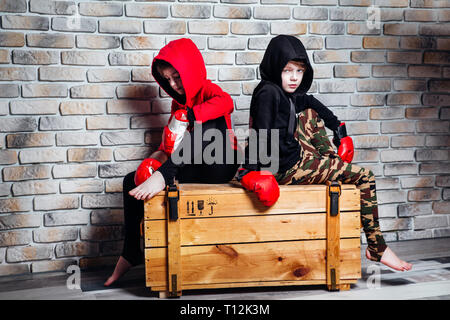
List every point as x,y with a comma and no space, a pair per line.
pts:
346,149
174,131
344,143
265,186
145,170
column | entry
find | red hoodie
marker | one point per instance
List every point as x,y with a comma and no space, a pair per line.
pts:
207,100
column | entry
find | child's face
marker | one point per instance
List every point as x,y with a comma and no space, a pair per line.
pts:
173,77
292,75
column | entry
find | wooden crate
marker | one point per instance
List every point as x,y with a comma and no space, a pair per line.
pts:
223,237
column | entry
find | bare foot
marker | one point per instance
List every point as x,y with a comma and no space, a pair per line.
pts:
121,268
391,260
149,187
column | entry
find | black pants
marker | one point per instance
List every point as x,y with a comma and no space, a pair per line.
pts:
134,209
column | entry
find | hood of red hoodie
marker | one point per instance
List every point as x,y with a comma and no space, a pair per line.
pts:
185,57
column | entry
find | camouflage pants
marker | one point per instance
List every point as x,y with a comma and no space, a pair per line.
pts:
319,163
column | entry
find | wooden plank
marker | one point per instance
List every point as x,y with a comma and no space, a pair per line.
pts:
251,229
257,284
265,261
221,200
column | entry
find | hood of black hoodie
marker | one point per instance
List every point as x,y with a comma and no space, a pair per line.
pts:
279,52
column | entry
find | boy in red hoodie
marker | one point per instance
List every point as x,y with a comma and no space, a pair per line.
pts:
180,71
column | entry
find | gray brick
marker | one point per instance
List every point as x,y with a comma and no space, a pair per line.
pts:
19,221
125,58
137,92
77,139
61,123
15,238
55,235
304,13
120,26
414,209
62,74
208,27
101,233
71,24
29,253
9,91
144,10
21,173
56,202
46,40
72,217
190,11
101,9
343,42
117,169
44,91
334,86
429,222
227,43
34,187
165,27
98,42
91,58
232,12
131,153
8,157
25,22
81,186
348,14
108,75
82,107
72,249
271,12
102,201
34,107
415,235
53,7
74,171
391,196
395,224
292,28
436,168
16,6
239,73
17,73
400,169
35,57
387,113
107,217
93,91
249,28
397,155
89,154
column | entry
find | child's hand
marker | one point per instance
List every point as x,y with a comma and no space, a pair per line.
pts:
150,187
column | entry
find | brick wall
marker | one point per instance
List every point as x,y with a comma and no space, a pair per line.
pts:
79,109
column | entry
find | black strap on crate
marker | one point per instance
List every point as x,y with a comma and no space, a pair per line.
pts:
173,195
335,192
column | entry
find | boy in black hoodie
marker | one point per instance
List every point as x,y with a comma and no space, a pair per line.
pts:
306,156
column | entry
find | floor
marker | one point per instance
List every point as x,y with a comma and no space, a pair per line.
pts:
428,280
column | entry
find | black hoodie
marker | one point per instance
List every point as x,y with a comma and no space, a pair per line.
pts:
270,106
